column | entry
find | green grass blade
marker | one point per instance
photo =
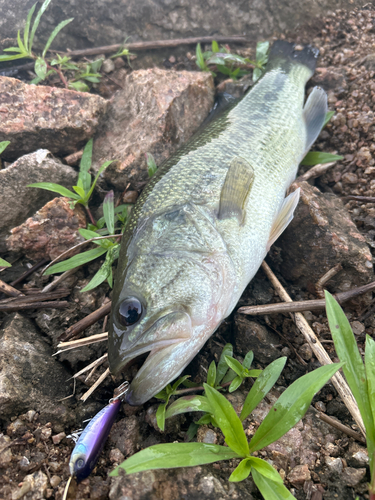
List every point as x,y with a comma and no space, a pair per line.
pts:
348,354
27,27
85,165
248,359
222,366
20,43
265,469
291,406
109,212
211,374
269,489
370,372
87,234
12,58
329,115
76,260
241,472
228,421
188,403
3,145
262,386
101,169
36,22
40,68
55,188
100,276
317,157
172,455
4,263
234,364
54,33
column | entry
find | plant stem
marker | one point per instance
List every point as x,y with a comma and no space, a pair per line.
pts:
188,390
59,72
93,221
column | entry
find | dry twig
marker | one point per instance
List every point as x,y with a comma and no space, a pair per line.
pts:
27,273
84,323
319,351
341,427
73,344
314,172
102,377
9,290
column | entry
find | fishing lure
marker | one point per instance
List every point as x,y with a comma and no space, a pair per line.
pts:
92,440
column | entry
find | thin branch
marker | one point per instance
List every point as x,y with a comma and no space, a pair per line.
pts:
305,305
55,304
157,44
86,322
59,279
101,379
79,245
366,199
315,171
94,364
27,273
341,427
73,344
9,290
319,351
325,278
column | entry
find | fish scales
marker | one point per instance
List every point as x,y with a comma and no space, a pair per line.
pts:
186,256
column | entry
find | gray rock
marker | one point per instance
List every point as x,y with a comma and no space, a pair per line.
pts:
6,454
251,336
190,483
35,117
33,487
156,112
320,236
334,464
357,456
103,23
351,477
29,376
125,435
298,475
18,202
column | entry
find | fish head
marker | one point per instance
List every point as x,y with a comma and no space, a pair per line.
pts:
165,303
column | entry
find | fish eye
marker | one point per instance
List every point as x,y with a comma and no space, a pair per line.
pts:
80,463
130,311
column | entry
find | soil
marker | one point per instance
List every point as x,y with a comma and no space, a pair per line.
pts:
346,70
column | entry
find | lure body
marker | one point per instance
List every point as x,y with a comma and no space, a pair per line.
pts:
91,442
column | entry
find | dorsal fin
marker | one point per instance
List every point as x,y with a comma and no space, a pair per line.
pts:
314,114
236,189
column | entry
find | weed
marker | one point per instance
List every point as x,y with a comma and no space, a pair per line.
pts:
285,413
360,376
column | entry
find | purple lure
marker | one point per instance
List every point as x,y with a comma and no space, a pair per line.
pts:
90,443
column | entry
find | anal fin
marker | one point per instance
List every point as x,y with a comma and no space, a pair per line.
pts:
314,114
284,217
236,189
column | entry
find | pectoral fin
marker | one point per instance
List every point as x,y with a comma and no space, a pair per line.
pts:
314,114
236,189
284,217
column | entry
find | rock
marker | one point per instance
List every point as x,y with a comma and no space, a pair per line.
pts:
115,456
29,375
108,66
190,483
351,477
357,456
305,352
17,201
251,336
125,436
57,438
357,327
298,475
334,464
37,116
320,236
206,435
172,425
50,232
6,454
156,112
328,79
55,481
33,487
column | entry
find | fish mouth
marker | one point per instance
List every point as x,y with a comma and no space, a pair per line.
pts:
159,340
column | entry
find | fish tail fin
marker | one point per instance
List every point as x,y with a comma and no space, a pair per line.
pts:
284,56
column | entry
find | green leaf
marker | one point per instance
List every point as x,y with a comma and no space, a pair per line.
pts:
79,190
215,46
261,52
86,160
230,375
76,260
188,403
13,49
36,22
370,372
257,73
109,212
96,65
178,382
235,384
211,374
205,420
248,359
20,44
317,157
241,472
3,145
265,469
222,366
54,33
269,489
12,58
329,115
79,86
172,455
40,68
55,188
192,431
101,169
200,59
104,272
88,235
160,415
228,421
347,352
234,364
291,406
27,27
151,165
4,263
262,386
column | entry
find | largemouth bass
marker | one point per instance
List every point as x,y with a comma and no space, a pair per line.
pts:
206,220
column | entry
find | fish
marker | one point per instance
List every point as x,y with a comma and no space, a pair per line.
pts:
206,220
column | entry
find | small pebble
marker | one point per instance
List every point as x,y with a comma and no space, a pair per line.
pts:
55,481
305,352
319,405
116,456
57,438
108,66
334,464
298,475
351,476
357,327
